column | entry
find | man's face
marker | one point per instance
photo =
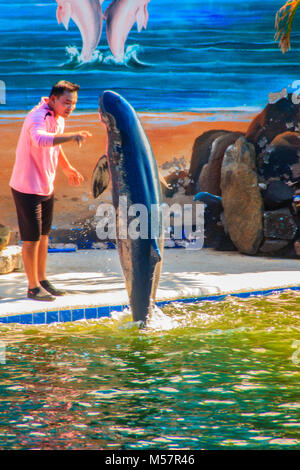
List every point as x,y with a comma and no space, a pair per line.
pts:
64,104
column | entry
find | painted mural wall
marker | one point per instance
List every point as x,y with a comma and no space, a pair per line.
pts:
179,55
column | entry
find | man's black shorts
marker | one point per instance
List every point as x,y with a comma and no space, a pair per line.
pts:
35,214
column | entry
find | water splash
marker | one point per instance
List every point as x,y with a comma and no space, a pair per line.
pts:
158,320
104,58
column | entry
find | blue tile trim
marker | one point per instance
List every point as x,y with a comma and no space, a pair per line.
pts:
91,312
52,317
26,318
13,319
41,318
65,316
115,308
77,314
103,311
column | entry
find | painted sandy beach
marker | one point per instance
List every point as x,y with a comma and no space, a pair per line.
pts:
171,136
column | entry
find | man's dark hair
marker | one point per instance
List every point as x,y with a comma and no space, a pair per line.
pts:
60,87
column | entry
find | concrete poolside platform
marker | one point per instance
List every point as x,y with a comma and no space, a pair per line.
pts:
94,282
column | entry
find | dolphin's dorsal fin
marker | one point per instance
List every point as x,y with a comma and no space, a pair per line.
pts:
63,14
155,251
142,17
101,177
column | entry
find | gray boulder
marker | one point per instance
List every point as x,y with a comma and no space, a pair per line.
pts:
241,197
210,177
200,155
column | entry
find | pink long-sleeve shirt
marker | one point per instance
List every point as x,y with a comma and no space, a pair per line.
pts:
36,157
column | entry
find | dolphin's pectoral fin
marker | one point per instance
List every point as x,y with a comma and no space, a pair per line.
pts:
141,18
63,14
155,251
101,177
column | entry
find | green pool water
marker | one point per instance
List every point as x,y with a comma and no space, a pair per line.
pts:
219,375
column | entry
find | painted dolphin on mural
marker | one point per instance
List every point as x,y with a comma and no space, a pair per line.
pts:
134,174
88,16
120,17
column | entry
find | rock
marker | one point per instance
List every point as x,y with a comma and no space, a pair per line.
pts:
223,243
297,247
274,119
241,198
203,178
200,155
271,245
177,179
280,160
280,224
4,236
278,194
11,259
213,228
210,175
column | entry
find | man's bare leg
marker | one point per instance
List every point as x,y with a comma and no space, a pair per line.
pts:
42,257
30,259
42,262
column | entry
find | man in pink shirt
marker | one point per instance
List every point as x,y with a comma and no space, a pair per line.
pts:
38,153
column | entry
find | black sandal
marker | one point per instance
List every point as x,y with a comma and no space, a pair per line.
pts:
38,293
51,289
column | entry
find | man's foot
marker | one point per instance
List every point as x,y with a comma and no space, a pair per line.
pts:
38,293
51,289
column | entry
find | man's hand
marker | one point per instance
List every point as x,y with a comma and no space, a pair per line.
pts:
74,177
81,137
78,137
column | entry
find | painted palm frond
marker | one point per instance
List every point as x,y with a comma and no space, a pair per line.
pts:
283,24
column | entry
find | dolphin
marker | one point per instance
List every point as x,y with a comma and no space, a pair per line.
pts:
120,17
88,16
133,174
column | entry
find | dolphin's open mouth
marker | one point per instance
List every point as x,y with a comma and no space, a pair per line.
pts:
109,121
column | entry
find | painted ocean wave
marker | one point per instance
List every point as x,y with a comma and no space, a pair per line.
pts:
103,58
